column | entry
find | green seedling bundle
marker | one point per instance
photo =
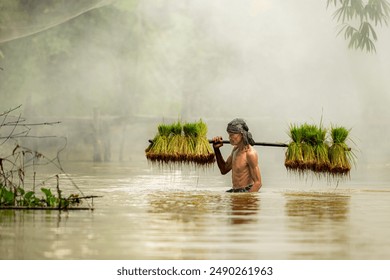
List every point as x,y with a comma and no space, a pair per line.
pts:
294,153
181,143
310,150
339,155
158,150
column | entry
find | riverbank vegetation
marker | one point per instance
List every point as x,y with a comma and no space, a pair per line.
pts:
19,166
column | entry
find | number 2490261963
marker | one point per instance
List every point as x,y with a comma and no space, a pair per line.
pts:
241,270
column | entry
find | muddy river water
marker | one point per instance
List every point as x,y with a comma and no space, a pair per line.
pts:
146,212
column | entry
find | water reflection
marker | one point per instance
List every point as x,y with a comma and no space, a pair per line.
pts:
313,208
184,206
318,223
200,224
20,227
189,207
24,217
244,208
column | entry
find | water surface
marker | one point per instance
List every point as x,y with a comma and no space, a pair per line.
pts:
150,213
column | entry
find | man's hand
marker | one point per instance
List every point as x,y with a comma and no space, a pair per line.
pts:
217,142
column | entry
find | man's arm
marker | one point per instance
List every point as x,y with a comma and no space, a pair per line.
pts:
224,166
254,169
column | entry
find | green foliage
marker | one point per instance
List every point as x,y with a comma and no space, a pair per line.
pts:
340,155
17,196
164,130
15,165
181,143
310,133
339,134
190,129
358,18
309,150
7,197
30,200
175,142
295,133
50,199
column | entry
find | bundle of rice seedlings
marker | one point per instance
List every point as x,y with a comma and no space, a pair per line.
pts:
308,150
309,133
294,156
175,143
204,154
190,131
339,154
158,150
321,151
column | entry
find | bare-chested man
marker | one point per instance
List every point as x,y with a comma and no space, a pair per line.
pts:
243,161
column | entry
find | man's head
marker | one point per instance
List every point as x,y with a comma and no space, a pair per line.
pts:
238,126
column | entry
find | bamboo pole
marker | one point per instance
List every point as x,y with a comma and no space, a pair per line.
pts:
256,143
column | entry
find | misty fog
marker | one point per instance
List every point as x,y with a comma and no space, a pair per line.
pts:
273,63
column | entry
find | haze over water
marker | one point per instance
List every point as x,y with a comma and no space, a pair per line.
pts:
273,63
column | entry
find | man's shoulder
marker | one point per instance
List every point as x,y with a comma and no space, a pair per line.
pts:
251,149
251,152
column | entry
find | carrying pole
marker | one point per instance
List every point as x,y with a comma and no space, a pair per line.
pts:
256,143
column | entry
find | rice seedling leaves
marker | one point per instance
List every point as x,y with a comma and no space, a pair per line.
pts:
309,150
181,143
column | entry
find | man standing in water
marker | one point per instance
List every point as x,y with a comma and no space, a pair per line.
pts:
243,161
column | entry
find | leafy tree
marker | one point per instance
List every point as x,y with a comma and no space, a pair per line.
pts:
358,19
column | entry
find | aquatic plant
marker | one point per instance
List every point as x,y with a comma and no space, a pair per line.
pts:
15,168
17,197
